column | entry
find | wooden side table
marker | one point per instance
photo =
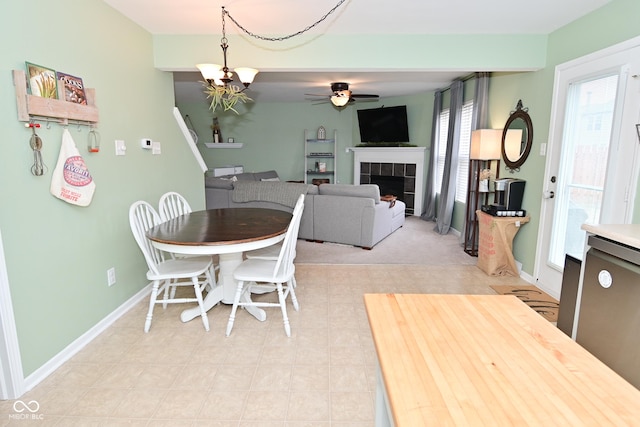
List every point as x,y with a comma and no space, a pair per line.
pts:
495,246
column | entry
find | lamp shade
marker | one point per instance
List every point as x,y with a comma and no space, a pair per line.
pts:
246,75
209,71
485,144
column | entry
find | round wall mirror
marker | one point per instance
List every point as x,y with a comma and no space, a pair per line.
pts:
517,137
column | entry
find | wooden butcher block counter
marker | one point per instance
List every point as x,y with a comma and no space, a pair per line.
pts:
487,360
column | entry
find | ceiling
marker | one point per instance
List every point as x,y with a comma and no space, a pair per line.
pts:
194,17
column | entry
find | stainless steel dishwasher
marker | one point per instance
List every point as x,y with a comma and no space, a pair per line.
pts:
609,317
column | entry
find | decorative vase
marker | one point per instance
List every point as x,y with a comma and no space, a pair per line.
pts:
322,133
483,187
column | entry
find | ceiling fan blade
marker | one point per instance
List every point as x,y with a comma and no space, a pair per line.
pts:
316,94
364,95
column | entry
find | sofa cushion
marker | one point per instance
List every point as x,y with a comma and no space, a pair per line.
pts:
284,193
223,182
226,181
371,191
263,176
247,176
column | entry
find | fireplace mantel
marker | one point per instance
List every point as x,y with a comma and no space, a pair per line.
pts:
405,155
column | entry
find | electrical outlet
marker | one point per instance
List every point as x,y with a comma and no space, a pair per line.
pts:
111,276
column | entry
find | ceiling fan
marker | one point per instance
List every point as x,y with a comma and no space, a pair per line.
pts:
342,95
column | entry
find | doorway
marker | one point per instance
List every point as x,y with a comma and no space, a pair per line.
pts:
11,376
592,168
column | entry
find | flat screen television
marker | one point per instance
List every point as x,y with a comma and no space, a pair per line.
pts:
384,124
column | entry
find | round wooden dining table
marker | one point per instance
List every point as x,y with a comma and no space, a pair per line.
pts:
226,233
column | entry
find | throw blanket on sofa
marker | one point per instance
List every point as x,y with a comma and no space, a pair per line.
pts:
283,193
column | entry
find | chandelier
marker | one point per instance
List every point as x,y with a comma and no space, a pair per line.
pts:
219,78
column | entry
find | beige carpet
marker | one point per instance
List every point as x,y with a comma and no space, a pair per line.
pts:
414,243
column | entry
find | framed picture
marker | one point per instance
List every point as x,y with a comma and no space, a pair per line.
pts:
42,81
322,167
73,88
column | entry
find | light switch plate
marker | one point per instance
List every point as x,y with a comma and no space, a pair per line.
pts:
155,148
121,148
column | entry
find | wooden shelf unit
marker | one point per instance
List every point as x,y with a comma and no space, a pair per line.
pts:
32,107
327,156
475,200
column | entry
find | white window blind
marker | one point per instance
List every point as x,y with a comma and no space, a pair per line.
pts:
463,150
463,153
443,132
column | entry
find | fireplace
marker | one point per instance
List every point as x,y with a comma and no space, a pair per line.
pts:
397,171
393,185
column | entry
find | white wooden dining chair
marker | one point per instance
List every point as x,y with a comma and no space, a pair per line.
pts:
271,252
164,271
172,205
280,272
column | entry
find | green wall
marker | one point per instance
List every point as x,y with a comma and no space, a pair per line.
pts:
399,52
57,255
272,134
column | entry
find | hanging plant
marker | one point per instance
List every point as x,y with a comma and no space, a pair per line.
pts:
225,97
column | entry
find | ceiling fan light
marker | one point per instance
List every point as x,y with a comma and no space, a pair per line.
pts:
339,100
246,75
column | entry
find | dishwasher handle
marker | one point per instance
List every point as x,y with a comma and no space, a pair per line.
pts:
615,261
619,250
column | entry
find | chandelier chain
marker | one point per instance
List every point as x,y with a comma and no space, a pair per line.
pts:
282,38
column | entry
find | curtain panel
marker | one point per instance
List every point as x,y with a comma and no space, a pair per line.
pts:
480,120
447,191
432,168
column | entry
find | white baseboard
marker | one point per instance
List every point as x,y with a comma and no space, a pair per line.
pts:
72,349
527,277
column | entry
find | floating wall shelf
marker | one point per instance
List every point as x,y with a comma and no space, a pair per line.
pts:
32,107
223,144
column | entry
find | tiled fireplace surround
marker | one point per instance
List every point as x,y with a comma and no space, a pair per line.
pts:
373,173
371,164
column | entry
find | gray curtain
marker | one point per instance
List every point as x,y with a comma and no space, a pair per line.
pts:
432,168
448,190
478,121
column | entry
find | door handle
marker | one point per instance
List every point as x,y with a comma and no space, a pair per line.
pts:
548,194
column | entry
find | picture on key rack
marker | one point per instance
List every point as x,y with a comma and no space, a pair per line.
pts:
42,81
73,88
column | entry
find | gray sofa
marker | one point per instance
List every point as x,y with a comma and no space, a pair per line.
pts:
340,213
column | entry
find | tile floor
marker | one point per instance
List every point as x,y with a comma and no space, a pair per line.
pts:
180,375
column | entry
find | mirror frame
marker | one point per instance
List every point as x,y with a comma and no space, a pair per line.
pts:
519,113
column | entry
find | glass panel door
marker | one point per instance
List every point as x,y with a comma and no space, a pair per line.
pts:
591,171
583,164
